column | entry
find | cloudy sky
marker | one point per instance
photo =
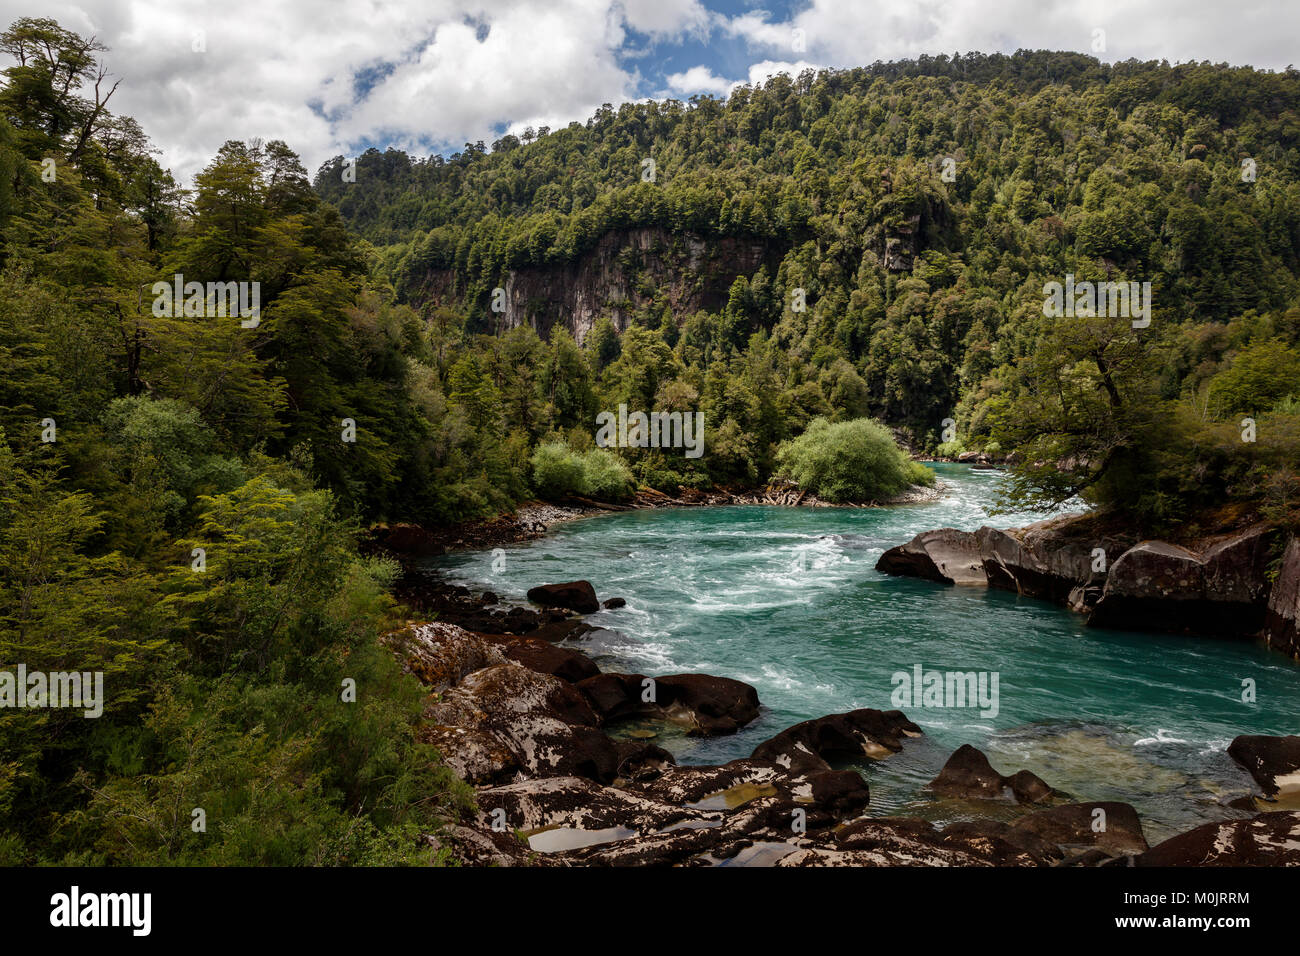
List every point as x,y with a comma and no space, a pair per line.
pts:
336,76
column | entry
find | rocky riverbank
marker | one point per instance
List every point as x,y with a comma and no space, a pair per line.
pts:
533,519
1220,584
540,732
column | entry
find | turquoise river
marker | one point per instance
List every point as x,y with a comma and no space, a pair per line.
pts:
788,599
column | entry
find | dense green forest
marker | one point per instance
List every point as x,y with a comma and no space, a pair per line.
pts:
917,209
181,495
177,511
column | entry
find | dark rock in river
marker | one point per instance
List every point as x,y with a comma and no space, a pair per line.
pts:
707,705
577,596
1221,589
1269,839
1049,559
1282,618
614,602
1073,824
858,733
1159,586
565,629
1274,762
946,555
968,774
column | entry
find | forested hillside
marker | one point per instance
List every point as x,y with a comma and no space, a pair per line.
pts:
917,209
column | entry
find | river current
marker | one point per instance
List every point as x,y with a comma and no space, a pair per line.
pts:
788,600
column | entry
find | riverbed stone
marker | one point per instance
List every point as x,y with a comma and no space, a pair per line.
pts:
969,775
706,705
808,745
1274,762
577,596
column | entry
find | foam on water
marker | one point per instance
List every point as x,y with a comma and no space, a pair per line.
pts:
788,600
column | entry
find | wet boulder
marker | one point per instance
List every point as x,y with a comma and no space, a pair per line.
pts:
1274,762
969,775
945,555
577,596
544,657
706,705
858,733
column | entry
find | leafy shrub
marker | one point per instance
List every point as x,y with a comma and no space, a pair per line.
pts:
605,476
1261,376
559,471
856,460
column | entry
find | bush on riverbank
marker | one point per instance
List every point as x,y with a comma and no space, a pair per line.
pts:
559,471
856,460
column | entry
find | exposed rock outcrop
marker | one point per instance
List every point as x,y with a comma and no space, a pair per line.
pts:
706,705
969,775
1108,826
1220,588
1282,618
686,270
1269,839
1049,559
858,733
1274,762
945,555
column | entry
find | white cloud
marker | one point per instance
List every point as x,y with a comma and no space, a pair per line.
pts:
843,33
698,79
665,18
761,72
287,70
439,73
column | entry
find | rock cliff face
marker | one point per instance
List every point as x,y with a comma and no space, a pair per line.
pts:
1282,618
1220,588
619,275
